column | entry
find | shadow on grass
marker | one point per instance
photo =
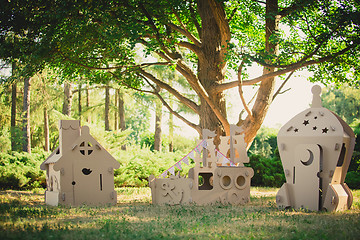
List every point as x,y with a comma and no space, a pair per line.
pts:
260,219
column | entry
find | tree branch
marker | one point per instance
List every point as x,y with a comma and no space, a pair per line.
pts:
155,92
303,59
194,20
197,50
157,34
241,92
198,88
181,67
127,85
193,125
126,67
87,66
225,86
282,85
295,6
183,30
185,33
192,105
242,111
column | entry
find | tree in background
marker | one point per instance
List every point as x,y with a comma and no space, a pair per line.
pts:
202,40
68,96
265,143
107,107
26,116
13,108
343,100
158,121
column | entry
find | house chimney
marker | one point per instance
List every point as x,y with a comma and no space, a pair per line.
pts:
69,131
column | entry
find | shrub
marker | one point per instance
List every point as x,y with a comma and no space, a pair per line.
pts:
268,172
265,142
21,171
137,164
184,144
353,176
353,179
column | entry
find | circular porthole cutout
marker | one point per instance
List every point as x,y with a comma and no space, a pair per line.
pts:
240,182
225,182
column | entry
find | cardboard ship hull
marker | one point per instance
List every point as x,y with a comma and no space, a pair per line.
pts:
225,185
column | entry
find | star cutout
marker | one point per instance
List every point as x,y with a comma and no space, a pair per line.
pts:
306,122
325,130
296,130
314,128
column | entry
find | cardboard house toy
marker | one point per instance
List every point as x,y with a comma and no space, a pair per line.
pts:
79,171
214,179
315,149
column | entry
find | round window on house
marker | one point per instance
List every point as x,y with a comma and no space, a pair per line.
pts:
86,148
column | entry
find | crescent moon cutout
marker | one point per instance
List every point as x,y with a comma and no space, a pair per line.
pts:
311,158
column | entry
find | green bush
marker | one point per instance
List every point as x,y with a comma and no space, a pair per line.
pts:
353,176
353,179
21,171
181,143
265,142
268,172
137,164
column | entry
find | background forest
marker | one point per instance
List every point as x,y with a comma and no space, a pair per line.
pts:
121,66
120,120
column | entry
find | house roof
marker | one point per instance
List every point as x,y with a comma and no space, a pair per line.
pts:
82,142
54,157
85,137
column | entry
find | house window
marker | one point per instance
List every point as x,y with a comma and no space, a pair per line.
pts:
86,148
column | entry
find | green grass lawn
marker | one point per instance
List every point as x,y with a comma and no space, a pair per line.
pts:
23,215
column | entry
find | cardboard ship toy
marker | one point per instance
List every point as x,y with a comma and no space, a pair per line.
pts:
79,171
315,149
214,179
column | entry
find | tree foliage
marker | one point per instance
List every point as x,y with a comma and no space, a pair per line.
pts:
201,40
344,101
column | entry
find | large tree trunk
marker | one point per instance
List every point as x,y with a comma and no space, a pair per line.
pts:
210,68
67,99
158,119
107,107
121,112
46,130
26,117
266,89
13,117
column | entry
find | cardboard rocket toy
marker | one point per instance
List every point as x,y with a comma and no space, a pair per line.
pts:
215,178
315,149
79,171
